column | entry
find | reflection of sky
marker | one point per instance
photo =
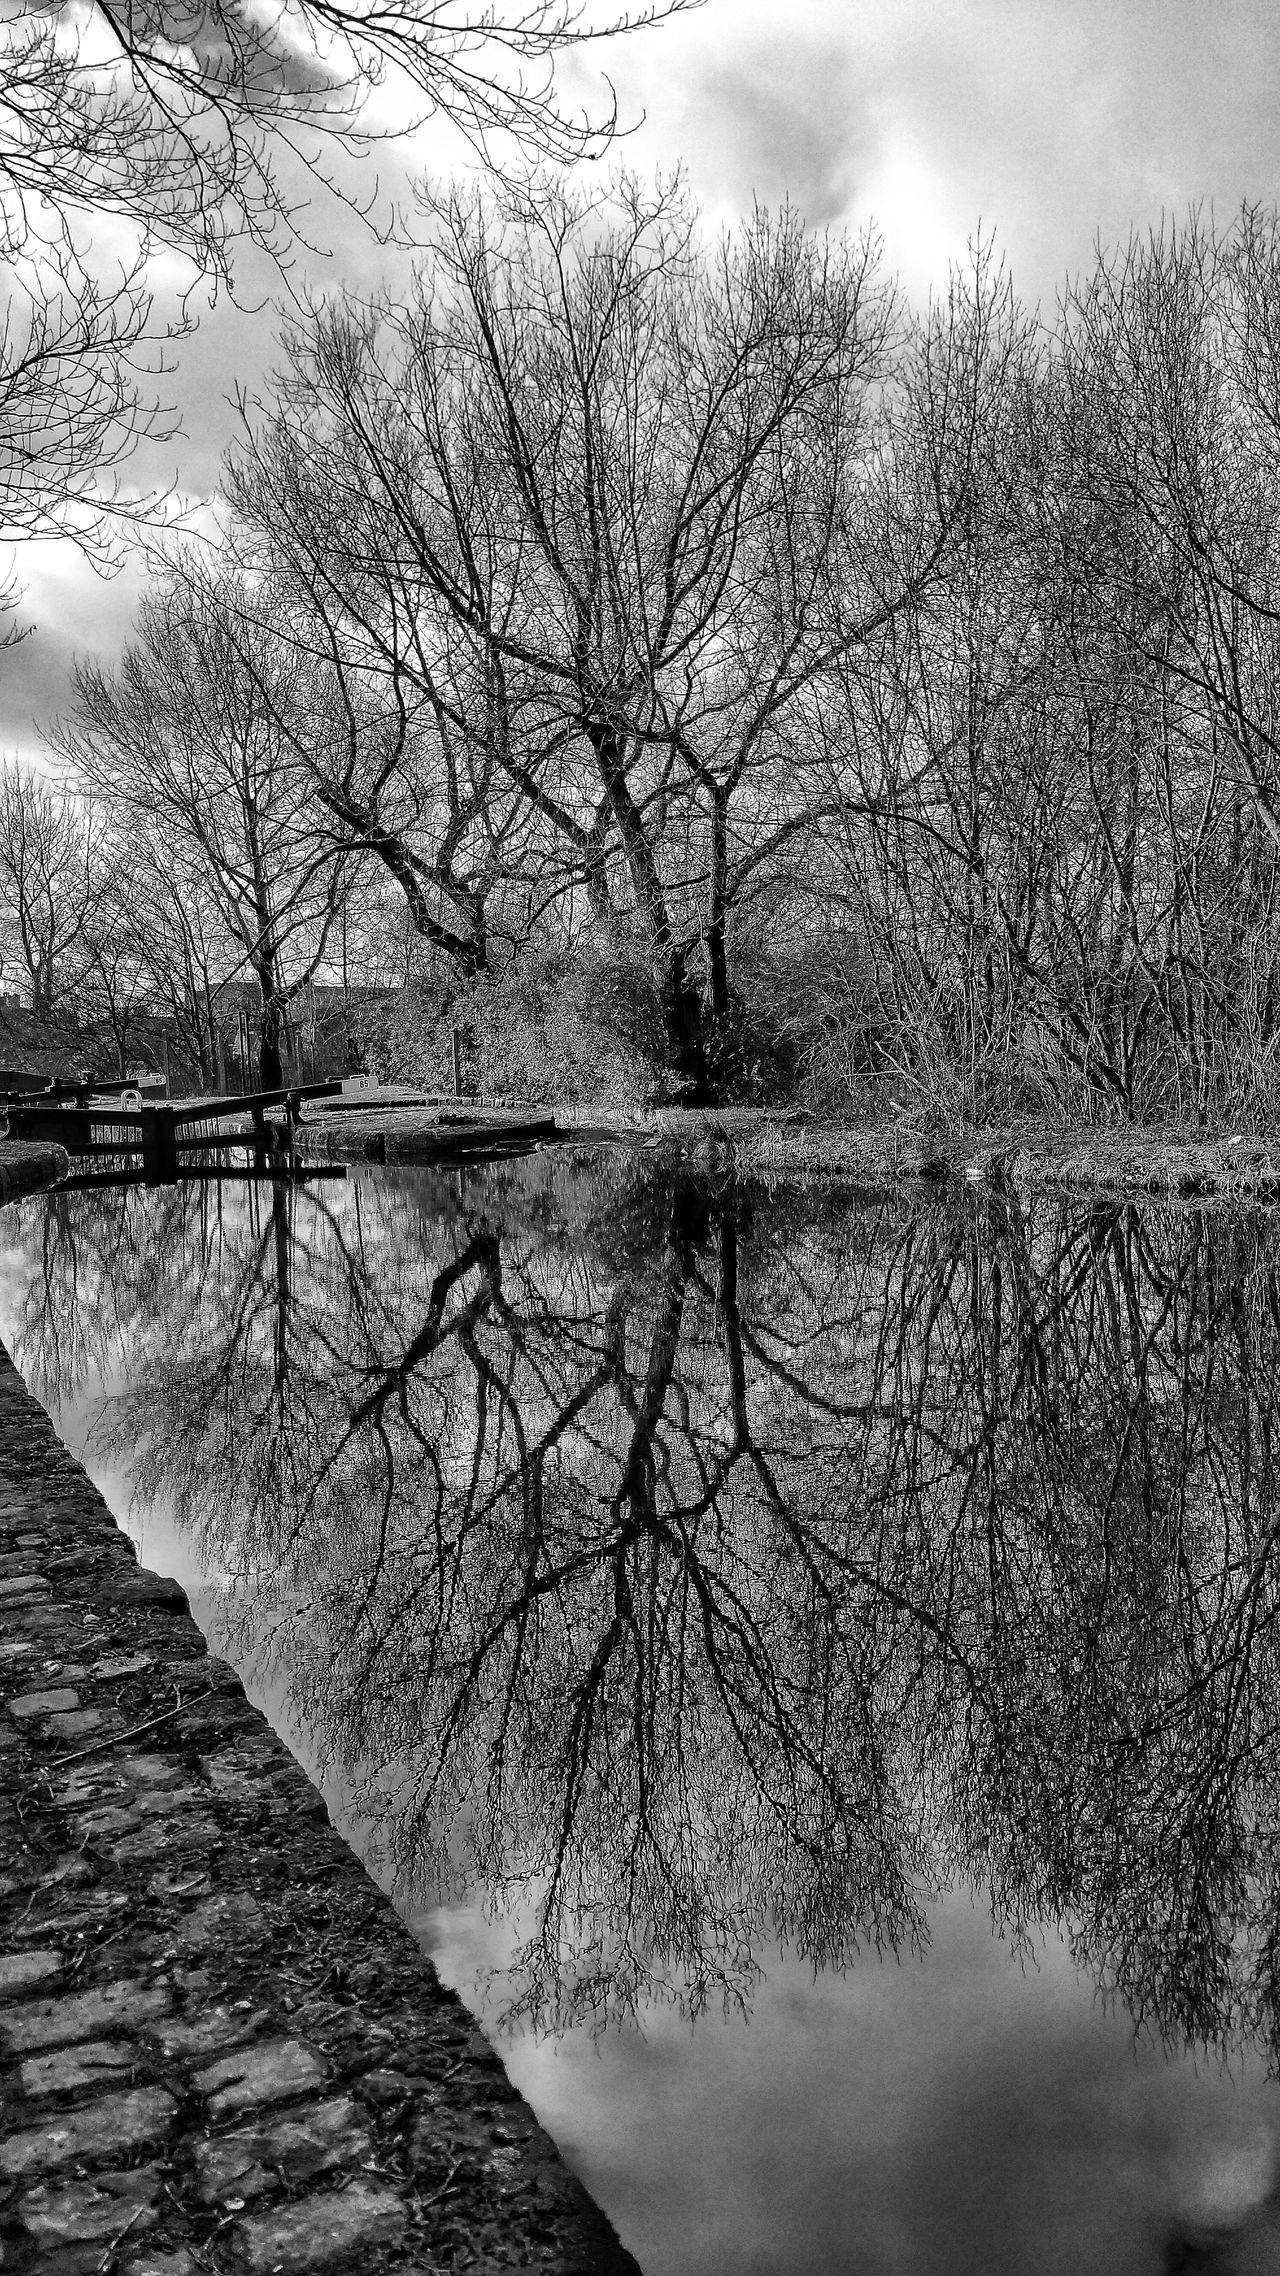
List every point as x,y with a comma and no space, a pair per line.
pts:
953,2113
963,2111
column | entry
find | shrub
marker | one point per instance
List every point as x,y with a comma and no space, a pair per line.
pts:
552,1026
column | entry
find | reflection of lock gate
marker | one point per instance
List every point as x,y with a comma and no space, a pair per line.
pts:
85,1124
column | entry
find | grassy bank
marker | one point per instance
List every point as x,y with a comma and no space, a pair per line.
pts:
1034,1157
786,1148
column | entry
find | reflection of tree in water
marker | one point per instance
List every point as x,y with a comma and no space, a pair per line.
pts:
715,1569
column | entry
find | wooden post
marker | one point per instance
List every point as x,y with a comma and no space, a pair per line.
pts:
159,1146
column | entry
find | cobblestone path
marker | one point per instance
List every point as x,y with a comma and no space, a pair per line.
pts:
219,2050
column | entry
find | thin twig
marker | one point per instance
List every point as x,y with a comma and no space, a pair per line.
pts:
117,2241
444,2188
101,1746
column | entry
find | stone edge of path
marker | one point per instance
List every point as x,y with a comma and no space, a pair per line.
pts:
220,2050
29,1168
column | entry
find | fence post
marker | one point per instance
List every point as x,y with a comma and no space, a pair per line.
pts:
159,1145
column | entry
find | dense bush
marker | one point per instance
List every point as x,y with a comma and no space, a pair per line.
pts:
550,1027
588,1025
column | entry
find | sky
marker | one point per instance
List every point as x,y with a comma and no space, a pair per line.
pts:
1047,122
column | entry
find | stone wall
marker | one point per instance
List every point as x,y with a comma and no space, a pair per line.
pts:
219,2049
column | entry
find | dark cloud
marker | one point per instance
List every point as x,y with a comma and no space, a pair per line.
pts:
789,129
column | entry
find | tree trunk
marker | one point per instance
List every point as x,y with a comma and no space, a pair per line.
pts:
270,1061
678,998
717,955
683,1025
270,1019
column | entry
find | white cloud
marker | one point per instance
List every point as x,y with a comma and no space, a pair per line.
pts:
71,610
916,210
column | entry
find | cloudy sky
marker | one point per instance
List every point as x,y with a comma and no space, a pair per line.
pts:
1047,121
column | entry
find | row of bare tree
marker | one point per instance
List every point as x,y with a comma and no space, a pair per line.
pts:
874,691
197,130
126,949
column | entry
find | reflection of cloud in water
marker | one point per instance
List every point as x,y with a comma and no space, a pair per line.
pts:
958,2112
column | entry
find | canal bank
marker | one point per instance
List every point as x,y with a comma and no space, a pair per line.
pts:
219,2048
782,1146
785,1147
30,1169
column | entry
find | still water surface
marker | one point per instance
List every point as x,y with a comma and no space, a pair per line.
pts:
808,1666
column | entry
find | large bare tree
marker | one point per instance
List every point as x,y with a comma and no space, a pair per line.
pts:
626,489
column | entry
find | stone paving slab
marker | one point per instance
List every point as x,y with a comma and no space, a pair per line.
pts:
191,2083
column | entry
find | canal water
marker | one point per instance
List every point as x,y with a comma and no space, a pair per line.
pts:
806,1664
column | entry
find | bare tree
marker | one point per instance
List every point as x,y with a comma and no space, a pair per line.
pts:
616,484
47,863
692,613
1058,764
402,764
193,123
180,741
78,358
189,119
